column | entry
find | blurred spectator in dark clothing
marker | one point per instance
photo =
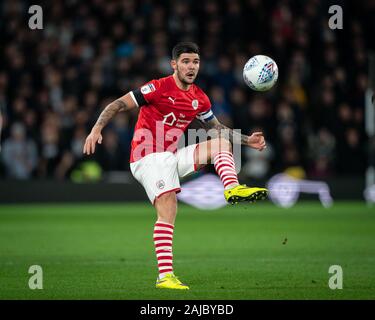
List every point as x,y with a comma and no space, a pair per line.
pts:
225,77
124,133
109,155
19,153
238,103
322,149
219,105
50,147
351,154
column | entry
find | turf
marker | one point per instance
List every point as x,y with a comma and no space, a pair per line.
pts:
105,251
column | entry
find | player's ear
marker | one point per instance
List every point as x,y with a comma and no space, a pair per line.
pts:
174,64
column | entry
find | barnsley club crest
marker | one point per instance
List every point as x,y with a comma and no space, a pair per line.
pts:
160,184
195,104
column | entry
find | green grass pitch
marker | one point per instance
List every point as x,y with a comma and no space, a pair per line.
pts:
105,251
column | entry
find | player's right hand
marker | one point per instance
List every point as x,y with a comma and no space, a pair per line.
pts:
91,140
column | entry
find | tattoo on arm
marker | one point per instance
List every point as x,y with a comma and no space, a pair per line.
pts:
233,135
109,112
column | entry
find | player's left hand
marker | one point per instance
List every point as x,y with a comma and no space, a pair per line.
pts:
257,141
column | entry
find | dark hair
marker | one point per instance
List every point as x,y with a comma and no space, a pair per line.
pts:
184,47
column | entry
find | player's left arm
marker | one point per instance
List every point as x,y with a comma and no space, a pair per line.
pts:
255,140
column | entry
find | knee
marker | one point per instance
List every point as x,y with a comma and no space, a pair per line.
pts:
166,207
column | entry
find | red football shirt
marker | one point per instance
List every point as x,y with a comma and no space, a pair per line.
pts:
165,113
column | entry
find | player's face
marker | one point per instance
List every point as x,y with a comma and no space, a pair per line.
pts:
186,67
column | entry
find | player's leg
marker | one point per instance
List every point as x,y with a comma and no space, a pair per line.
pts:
166,209
219,152
158,175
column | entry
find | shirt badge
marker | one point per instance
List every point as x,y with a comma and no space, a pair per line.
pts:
195,104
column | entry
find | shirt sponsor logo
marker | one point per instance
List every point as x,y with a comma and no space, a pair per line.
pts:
170,119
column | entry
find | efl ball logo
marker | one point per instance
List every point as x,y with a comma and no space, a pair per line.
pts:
260,73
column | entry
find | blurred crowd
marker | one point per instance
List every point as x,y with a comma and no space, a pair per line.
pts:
54,82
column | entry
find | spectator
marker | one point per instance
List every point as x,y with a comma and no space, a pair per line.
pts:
220,106
258,164
19,153
110,157
356,162
322,154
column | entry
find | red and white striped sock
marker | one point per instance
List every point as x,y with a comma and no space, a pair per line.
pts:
163,237
224,166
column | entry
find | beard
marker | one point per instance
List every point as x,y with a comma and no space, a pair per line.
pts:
185,79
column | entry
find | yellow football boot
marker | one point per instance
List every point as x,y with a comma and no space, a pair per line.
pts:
170,281
244,193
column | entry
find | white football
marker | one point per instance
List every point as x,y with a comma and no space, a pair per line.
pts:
260,73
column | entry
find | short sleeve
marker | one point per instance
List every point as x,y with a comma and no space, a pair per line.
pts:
206,113
147,93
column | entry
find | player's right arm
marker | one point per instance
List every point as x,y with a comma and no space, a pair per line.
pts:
124,103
